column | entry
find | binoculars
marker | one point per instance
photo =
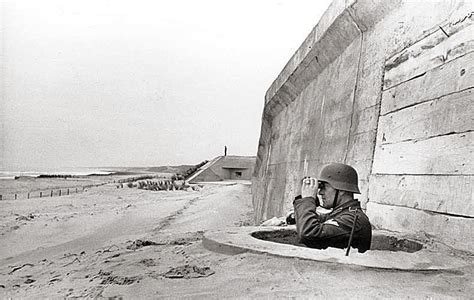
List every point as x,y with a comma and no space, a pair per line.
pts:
320,183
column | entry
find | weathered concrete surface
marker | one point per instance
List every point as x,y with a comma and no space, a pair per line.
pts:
428,193
451,230
239,240
387,88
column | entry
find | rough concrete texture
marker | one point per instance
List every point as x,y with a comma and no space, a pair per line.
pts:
387,88
239,240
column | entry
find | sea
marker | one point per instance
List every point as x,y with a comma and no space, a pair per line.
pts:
5,175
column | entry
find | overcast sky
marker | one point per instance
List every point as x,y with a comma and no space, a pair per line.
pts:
140,83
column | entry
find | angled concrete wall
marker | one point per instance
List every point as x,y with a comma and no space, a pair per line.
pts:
387,87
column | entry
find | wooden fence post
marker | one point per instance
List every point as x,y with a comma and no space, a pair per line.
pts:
28,196
59,193
1,197
51,193
15,196
41,194
68,191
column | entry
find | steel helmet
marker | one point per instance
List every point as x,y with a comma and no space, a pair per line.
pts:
340,176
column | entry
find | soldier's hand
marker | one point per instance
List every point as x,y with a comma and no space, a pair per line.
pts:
309,188
298,191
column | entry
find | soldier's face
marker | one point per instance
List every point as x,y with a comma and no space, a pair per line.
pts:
327,193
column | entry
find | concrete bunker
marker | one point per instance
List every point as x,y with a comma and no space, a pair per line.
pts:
229,167
387,88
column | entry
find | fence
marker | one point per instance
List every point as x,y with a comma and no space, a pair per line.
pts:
64,191
48,193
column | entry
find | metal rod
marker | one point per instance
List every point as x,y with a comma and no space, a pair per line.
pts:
352,234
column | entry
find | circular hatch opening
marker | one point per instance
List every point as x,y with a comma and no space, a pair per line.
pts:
379,241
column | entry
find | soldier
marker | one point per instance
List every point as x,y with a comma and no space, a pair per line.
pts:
337,184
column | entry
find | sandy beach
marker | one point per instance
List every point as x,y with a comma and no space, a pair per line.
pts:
131,243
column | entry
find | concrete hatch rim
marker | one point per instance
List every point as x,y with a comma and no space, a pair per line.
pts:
237,240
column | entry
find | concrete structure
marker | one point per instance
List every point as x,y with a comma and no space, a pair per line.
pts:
239,240
224,168
387,87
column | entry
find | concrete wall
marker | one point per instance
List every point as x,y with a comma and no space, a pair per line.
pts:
386,87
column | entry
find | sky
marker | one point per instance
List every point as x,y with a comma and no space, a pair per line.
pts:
140,83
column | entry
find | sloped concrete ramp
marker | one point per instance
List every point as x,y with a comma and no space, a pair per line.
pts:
239,240
204,168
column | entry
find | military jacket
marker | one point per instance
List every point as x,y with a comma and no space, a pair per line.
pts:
332,229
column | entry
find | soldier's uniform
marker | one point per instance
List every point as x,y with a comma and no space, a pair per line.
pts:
333,229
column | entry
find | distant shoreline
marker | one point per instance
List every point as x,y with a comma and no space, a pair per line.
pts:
60,174
87,172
